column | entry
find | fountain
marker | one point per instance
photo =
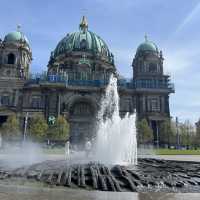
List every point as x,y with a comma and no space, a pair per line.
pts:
113,165
116,137
115,141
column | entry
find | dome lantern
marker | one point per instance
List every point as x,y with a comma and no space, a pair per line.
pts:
84,24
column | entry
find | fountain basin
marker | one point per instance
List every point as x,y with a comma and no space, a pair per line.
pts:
151,175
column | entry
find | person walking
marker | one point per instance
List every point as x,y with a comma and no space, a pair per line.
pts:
88,146
67,152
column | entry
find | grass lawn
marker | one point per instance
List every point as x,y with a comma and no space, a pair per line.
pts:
176,152
156,151
54,151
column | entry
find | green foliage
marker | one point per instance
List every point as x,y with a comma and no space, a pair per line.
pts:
145,133
10,129
196,137
167,133
60,130
198,128
38,127
183,134
187,135
176,152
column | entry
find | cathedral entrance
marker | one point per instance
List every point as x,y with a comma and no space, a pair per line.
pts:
154,126
82,120
3,119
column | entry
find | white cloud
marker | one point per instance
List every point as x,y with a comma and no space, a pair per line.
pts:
183,64
189,18
176,61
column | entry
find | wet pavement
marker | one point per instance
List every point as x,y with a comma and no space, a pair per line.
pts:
32,193
195,158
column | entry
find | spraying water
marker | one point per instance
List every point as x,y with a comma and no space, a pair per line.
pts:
116,137
14,155
115,140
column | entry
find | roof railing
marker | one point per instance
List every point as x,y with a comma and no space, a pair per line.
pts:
122,83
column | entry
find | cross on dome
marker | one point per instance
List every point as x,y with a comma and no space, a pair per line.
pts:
18,27
146,38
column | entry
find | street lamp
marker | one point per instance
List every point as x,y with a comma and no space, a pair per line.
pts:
177,134
25,126
157,135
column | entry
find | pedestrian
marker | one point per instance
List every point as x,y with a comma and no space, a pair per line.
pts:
88,146
67,151
0,141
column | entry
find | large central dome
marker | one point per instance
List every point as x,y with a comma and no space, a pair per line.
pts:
83,41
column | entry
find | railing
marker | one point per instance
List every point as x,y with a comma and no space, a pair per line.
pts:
126,83
153,84
122,83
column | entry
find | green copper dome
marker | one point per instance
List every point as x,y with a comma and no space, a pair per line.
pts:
83,41
147,46
16,36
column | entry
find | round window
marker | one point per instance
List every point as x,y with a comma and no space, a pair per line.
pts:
152,67
8,72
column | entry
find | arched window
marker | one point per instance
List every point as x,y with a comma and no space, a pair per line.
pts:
83,44
8,72
36,102
104,51
152,67
5,100
153,104
11,58
82,109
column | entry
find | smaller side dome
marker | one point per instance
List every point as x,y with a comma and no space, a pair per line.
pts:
16,36
147,46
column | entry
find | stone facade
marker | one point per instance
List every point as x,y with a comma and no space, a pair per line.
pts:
78,71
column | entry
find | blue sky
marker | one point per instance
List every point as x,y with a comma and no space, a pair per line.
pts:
172,25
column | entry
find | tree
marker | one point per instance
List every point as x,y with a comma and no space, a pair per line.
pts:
198,127
10,129
187,134
145,133
38,127
60,130
167,134
196,138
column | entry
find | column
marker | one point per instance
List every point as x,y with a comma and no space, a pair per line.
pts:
58,104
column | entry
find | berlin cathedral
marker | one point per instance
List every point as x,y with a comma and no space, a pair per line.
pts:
77,73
